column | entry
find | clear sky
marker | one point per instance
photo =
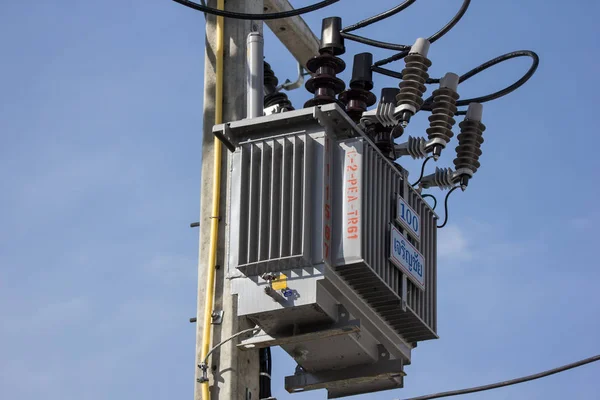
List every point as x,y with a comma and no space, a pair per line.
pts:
100,120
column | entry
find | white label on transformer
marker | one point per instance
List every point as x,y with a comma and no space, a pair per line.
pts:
407,258
408,217
351,234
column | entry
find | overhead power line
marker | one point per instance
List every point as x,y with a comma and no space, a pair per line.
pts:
259,17
510,382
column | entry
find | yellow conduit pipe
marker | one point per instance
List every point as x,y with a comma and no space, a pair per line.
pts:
214,221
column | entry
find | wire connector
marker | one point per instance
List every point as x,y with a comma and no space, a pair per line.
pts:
204,368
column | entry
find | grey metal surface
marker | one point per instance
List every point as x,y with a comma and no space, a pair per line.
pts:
330,116
274,196
365,265
318,333
309,304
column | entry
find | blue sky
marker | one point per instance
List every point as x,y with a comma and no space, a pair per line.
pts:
100,119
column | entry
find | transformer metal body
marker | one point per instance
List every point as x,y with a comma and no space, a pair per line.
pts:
329,250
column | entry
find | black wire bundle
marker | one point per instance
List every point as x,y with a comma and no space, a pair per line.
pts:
257,17
265,373
431,196
446,206
422,172
393,11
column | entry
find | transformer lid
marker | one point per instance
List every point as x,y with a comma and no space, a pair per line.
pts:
329,116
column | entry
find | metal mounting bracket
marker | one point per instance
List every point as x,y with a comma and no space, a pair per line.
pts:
262,339
217,317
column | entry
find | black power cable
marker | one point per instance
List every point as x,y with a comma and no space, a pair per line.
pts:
374,43
422,171
401,47
493,96
446,206
510,382
446,28
261,17
379,17
522,53
395,57
433,197
265,373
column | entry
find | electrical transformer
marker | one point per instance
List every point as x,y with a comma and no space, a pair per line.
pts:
330,251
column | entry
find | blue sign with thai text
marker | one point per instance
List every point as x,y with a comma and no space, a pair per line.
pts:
407,258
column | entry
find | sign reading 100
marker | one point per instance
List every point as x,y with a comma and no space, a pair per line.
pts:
408,218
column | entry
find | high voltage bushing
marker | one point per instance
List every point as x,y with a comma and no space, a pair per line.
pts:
359,97
442,117
324,84
385,136
414,76
272,96
470,139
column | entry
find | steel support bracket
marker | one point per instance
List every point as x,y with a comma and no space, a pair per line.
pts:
353,380
302,334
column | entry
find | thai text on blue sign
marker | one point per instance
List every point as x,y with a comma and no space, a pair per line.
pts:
407,258
409,218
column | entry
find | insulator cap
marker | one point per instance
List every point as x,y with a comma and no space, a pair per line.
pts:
450,81
362,76
331,38
388,95
475,112
421,47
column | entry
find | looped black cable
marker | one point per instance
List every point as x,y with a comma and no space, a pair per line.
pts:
401,47
372,42
422,171
446,28
387,72
446,206
493,96
379,17
433,197
258,17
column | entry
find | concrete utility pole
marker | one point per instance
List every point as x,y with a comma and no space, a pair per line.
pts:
233,374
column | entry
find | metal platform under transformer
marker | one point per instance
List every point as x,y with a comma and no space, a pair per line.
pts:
329,249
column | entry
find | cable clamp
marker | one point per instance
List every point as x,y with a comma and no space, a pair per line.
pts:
204,378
